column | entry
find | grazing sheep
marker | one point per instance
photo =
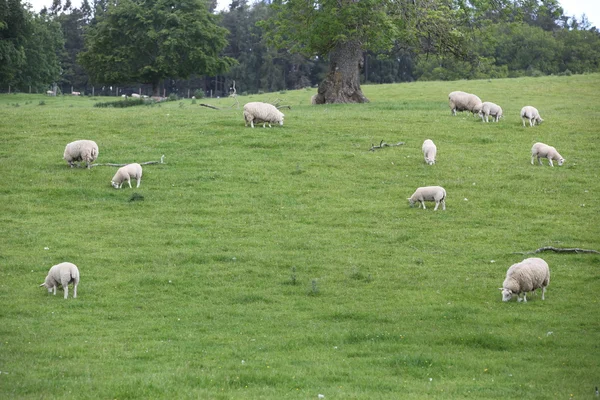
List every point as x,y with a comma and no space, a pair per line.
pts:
526,276
541,150
125,174
135,95
81,150
429,151
532,114
261,113
462,101
488,108
62,274
429,193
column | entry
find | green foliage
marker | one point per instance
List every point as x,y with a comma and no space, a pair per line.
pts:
187,293
149,41
29,44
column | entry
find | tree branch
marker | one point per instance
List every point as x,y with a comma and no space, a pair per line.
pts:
559,250
382,144
206,105
122,165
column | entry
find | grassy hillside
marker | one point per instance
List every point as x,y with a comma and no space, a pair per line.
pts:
286,262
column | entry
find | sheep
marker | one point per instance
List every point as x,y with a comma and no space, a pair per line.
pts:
261,112
541,150
135,95
489,108
429,151
62,274
527,276
125,174
429,193
81,150
462,101
532,114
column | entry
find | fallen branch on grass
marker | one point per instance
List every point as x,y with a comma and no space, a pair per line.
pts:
559,250
382,144
209,106
162,158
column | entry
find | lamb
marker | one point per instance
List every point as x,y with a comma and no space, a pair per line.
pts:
81,150
527,276
462,101
532,114
62,274
489,108
429,193
125,174
261,112
541,150
429,151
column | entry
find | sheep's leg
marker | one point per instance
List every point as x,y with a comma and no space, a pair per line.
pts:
54,289
423,204
138,182
539,160
129,182
66,288
550,162
443,205
74,290
543,291
252,123
437,204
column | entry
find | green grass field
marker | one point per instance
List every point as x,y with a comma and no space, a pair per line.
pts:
286,262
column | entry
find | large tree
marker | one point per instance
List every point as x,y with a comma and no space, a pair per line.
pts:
344,29
29,45
147,41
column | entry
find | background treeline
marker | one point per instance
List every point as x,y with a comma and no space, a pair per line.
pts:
504,38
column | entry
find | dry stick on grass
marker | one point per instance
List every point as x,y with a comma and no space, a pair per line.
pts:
162,158
206,105
559,250
382,144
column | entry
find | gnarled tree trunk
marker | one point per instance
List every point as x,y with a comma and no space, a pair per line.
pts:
342,83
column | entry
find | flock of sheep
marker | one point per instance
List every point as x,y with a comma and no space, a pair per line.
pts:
521,278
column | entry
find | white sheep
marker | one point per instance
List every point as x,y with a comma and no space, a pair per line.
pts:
527,276
261,113
462,101
532,114
429,151
81,150
489,108
125,174
429,193
62,274
541,150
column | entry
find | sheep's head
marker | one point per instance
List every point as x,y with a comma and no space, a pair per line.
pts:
539,120
411,202
561,161
506,294
114,184
47,287
430,161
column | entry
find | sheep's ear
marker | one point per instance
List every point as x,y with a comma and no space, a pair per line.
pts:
42,284
501,288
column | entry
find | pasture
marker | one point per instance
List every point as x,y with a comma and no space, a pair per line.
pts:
286,262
